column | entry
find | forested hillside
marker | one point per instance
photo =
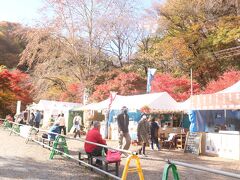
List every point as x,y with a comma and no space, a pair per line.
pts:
103,46
11,44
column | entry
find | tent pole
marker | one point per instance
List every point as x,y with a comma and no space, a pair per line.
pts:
225,116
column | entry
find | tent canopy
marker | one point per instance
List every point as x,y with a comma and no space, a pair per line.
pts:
46,104
234,88
228,98
155,101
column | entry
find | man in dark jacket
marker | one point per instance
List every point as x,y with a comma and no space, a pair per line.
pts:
154,133
37,119
123,122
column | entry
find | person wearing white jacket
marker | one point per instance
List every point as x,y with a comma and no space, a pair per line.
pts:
76,123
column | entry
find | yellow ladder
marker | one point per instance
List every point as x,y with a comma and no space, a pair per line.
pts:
137,169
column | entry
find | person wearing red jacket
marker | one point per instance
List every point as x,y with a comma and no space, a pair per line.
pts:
94,136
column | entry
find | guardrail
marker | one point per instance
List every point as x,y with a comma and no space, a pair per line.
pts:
197,167
188,165
132,155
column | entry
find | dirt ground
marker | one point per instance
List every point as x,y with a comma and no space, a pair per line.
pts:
19,160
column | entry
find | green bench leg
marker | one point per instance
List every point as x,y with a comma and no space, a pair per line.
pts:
174,171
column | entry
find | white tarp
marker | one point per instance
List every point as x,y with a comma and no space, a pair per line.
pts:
234,88
228,98
185,106
53,108
97,106
155,101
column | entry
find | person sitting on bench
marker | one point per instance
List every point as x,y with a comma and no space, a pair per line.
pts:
54,129
94,135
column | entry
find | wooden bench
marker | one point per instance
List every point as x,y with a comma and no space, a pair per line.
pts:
82,156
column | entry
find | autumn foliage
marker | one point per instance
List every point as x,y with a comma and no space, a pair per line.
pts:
178,87
224,81
123,84
14,86
74,93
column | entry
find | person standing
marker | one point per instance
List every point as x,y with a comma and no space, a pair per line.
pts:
76,122
37,119
31,120
62,124
154,133
143,131
123,122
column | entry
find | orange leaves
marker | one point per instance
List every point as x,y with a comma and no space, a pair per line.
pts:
74,93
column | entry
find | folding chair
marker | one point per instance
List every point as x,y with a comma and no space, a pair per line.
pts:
170,141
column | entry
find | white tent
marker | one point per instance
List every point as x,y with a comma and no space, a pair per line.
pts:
155,101
234,88
228,98
54,108
185,106
97,106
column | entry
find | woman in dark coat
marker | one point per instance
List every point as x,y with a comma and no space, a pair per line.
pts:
143,133
154,133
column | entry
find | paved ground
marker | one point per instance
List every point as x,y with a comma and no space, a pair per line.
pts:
19,160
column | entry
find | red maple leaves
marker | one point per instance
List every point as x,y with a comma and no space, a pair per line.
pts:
14,86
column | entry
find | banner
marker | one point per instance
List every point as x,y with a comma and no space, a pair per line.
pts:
150,75
85,96
112,98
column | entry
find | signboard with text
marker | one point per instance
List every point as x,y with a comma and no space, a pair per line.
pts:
193,143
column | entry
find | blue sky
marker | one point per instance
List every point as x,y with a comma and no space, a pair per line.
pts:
27,11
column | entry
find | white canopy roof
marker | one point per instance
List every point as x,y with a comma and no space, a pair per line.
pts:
97,106
155,101
228,98
46,104
234,88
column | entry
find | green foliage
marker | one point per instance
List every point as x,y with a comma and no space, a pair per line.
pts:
227,33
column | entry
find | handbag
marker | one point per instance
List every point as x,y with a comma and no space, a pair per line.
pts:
113,156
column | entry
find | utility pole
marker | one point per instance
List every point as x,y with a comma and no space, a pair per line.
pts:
191,82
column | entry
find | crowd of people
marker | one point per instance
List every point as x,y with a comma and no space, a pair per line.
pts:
147,131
